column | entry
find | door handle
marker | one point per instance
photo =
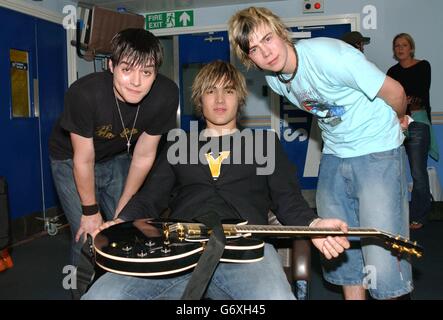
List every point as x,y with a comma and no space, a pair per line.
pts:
36,99
211,38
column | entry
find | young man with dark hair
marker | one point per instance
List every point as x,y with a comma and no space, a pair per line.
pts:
112,122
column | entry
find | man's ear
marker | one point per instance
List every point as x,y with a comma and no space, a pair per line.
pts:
111,66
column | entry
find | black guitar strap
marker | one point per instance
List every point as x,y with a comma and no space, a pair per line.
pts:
85,269
209,260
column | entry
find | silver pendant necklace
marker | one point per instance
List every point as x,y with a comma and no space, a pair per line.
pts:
128,144
287,82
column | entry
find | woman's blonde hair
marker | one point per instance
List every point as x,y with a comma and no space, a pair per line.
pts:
409,39
214,73
244,22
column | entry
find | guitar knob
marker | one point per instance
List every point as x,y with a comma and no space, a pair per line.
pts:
150,243
142,253
127,248
165,250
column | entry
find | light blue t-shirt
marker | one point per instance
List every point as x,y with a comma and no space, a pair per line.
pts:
336,83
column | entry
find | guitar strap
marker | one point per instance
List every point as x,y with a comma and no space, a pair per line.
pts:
209,260
85,270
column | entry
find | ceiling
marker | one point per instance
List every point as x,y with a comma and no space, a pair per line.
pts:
144,6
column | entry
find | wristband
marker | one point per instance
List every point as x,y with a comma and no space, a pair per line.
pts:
90,210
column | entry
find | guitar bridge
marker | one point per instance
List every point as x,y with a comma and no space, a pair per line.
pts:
186,231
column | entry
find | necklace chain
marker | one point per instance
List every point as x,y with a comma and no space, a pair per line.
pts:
128,144
287,82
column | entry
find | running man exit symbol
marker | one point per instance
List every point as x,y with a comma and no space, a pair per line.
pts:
170,20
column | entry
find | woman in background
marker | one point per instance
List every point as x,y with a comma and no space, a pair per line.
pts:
415,77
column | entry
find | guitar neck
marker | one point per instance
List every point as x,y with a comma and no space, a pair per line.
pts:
276,230
197,230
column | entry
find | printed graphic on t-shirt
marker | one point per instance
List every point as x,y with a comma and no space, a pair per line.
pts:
105,132
325,112
215,164
128,132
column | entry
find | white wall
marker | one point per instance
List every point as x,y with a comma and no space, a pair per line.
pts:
51,5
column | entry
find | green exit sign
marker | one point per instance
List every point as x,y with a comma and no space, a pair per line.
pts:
170,19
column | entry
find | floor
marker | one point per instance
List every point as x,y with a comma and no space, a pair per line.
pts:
38,271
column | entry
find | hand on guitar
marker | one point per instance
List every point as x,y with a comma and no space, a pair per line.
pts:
88,224
331,247
106,225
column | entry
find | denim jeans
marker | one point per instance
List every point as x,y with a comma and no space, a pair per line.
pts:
110,177
417,147
371,192
263,280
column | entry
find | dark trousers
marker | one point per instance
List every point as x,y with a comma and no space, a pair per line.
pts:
417,147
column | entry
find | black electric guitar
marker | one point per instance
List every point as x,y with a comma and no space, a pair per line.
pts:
147,247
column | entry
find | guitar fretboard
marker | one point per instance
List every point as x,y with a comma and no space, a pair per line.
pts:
275,230
197,230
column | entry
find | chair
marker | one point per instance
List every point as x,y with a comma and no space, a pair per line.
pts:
296,256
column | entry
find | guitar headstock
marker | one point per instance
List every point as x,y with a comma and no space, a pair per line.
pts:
403,245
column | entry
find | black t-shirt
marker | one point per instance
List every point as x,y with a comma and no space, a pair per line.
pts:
186,186
416,80
90,111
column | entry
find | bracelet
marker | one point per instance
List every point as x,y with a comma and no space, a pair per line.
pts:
90,210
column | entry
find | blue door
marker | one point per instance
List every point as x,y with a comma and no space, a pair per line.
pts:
33,80
195,50
299,133
53,82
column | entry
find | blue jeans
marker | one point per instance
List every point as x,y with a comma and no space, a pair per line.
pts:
110,177
371,192
417,147
263,280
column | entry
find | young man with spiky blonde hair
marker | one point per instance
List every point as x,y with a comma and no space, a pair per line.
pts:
361,112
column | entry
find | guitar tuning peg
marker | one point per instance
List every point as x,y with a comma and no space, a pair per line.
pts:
416,253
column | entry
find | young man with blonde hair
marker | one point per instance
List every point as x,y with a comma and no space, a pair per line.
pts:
232,190
361,112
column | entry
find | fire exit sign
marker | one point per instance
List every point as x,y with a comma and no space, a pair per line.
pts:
170,19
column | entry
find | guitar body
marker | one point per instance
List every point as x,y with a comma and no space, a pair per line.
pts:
138,248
